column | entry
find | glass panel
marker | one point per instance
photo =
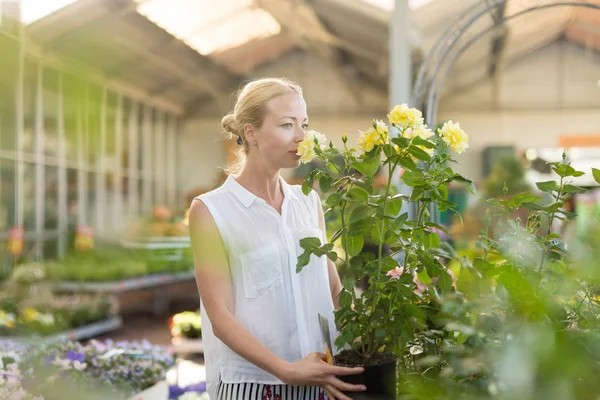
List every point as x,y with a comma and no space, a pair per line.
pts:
73,107
29,92
9,48
93,125
91,198
72,204
29,196
111,143
140,189
125,134
50,106
51,198
50,249
141,133
7,194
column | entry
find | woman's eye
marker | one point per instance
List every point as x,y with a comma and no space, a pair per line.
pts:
305,126
288,125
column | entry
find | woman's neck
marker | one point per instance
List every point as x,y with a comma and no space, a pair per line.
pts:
262,183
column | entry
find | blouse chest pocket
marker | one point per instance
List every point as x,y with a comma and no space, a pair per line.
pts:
261,270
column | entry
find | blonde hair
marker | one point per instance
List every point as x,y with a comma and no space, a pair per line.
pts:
251,108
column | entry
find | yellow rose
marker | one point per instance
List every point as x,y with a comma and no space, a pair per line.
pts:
382,129
374,136
421,131
402,116
367,139
306,151
306,148
454,136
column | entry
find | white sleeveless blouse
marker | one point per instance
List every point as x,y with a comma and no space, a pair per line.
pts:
277,305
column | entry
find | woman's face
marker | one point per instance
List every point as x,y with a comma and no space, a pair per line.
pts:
284,126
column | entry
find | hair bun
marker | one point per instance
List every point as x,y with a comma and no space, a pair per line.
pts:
229,125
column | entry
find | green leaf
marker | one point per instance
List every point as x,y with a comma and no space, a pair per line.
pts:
596,174
398,222
573,189
424,277
306,187
393,206
355,245
303,261
332,255
325,182
413,310
333,168
412,178
389,150
437,226
564,170
345,299
340,341
553,207
333,199
407,163
310,243
526,197
443,191
359,194
417,193
361,227
309,181
419,141
390,238
348,283
547,186
360,212
388,263
467,182
431,240
419,154
375,236
402,142
369,164
380,334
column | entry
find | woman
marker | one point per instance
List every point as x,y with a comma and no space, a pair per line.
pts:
260,318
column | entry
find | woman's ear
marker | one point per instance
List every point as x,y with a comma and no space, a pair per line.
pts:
250,134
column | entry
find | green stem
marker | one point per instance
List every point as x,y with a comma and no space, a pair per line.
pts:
550,221
391,170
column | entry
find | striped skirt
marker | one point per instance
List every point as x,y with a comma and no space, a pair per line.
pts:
259,391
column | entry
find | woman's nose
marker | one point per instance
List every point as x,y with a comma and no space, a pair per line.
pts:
300,134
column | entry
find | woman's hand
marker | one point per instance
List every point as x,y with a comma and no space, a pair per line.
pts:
313,370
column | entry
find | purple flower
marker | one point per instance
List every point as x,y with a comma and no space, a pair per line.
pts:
73,356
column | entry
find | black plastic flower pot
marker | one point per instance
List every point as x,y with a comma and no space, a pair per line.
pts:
378,377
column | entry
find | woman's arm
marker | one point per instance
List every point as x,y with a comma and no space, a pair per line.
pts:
214,285
335,285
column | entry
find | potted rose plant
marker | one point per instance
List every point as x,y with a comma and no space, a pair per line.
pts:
376,328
